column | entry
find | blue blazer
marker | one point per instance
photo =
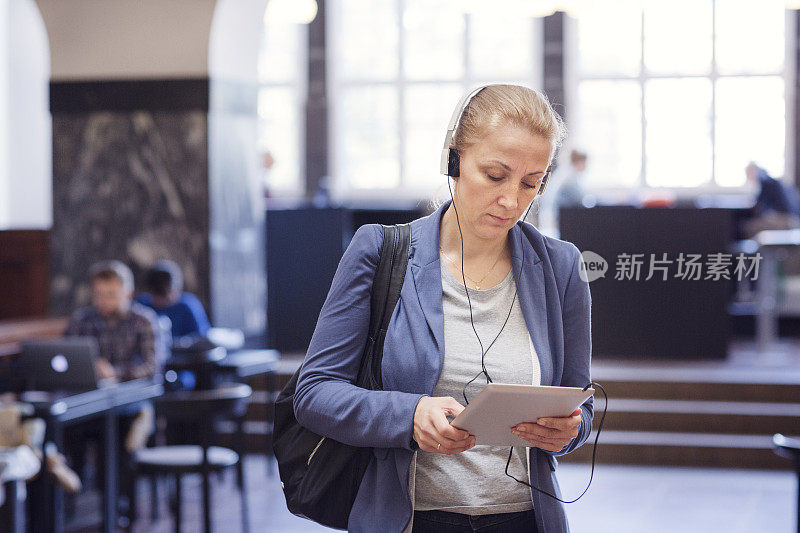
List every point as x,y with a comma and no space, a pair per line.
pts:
555,303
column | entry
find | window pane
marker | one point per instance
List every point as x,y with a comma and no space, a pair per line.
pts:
278,60
279,133
369,140
609,38
366,37
667,53
750,36
434,39
678,136
427,111
492,40
751,122
610,131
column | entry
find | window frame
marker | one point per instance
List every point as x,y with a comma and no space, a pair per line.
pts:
300,88
574,77
340,188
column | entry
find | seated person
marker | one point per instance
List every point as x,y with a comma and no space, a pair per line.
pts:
17,431
127,332
164,283
776,206
131,347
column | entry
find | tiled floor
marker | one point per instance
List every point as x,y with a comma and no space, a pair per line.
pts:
622,499
680,500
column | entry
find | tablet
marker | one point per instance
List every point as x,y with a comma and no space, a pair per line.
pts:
499,407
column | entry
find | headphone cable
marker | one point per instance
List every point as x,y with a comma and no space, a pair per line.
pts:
483,355
594,452
469,301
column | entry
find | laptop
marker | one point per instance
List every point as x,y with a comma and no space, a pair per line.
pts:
66,364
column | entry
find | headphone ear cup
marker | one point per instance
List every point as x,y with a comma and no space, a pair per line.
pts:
453,163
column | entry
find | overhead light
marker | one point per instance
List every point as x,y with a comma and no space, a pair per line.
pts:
290,11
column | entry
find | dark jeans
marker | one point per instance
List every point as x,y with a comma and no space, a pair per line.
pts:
445,522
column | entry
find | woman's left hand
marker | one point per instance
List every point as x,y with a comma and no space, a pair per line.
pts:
550,434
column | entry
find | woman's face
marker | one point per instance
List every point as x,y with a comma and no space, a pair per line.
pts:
500,176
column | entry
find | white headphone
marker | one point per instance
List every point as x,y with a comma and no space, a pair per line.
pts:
450,162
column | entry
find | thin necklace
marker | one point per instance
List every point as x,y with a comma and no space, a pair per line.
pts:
477,283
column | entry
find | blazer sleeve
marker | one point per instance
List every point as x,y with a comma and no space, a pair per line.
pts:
577,320
325,400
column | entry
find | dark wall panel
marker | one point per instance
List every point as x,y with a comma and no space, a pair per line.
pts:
655,319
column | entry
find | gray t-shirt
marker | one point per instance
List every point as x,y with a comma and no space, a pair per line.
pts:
474,482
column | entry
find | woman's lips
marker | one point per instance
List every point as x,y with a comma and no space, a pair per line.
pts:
500,219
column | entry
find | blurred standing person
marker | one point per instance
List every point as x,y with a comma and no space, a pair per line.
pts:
569,192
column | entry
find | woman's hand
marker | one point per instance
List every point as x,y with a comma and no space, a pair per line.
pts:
433,431
550,434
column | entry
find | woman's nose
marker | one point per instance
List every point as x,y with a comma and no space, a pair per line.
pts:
508,197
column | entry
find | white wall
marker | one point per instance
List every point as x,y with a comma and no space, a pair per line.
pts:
29,160
235,40
4,203
127,39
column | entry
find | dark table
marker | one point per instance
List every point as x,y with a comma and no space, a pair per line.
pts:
246,363
59,411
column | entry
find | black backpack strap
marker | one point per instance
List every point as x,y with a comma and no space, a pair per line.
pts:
386,285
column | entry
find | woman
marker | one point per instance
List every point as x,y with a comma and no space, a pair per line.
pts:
471,263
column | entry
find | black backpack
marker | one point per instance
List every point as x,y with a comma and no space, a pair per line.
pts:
323,490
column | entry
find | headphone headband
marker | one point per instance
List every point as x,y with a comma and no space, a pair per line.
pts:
445,164
450,163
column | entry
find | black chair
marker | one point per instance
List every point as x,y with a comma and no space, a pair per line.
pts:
790,448
202,408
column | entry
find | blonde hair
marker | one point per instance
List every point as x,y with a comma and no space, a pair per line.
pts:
499,105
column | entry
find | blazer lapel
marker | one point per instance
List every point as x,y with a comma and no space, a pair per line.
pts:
428,281
427,273
531,292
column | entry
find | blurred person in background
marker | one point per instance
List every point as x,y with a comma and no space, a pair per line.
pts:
131,347
776,206
164,285
569,192
127,332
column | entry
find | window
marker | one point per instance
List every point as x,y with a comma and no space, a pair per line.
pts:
397,69
680,94
282,73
